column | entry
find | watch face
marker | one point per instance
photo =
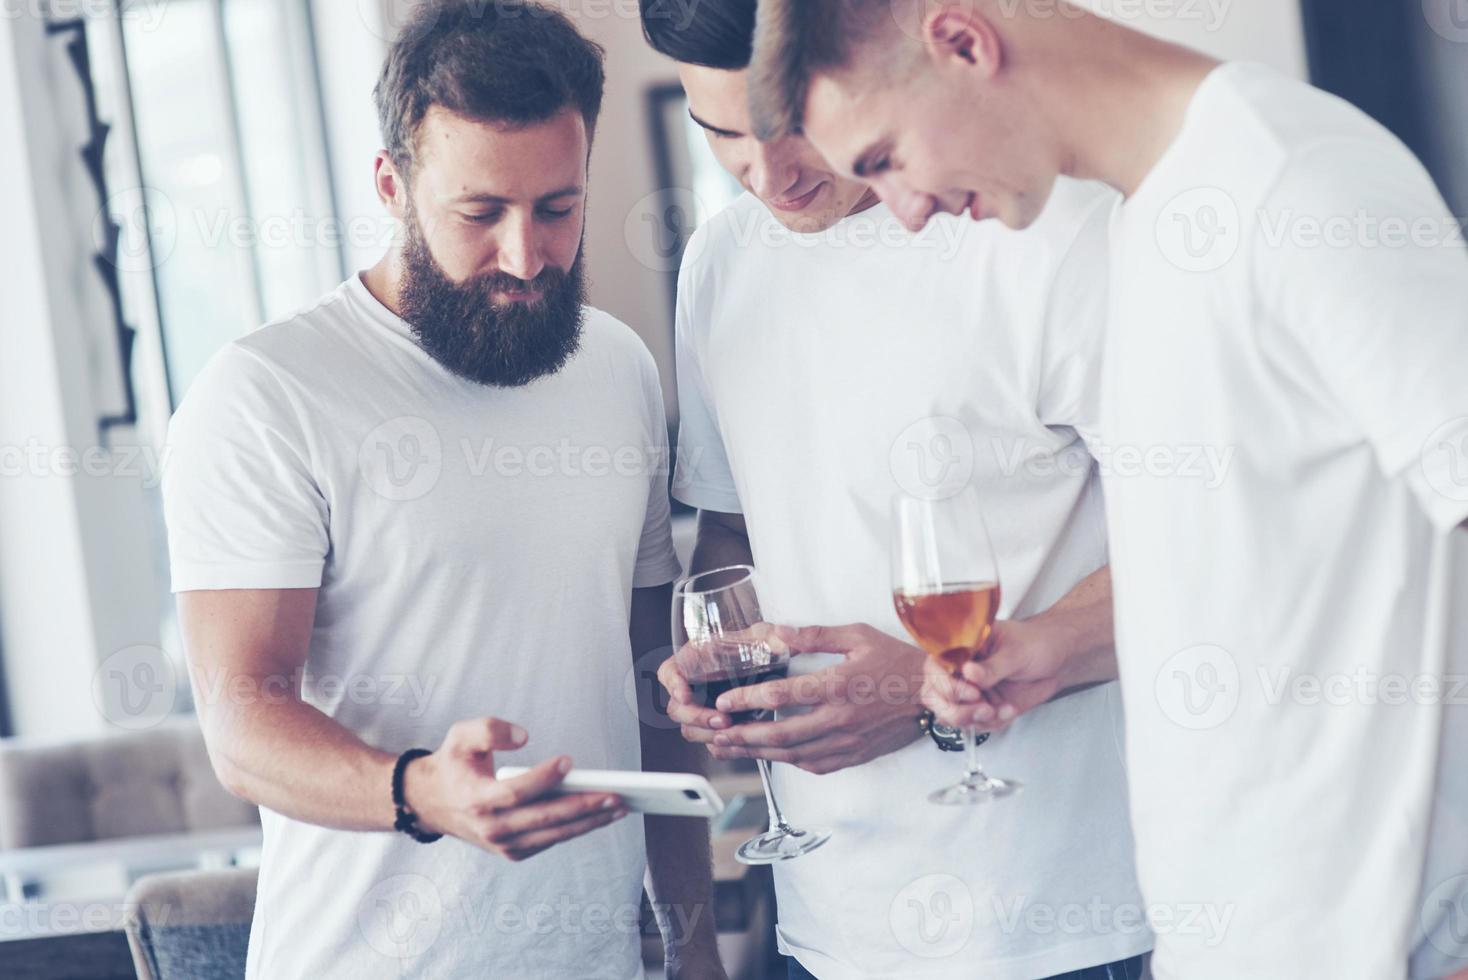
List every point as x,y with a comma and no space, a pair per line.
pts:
946,731
951,739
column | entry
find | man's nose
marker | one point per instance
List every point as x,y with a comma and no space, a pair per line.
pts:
771,171
913,209
519,249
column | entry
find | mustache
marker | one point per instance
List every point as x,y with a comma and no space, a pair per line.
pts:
504,344
495,282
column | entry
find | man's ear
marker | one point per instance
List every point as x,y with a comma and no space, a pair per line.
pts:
965,38
392,190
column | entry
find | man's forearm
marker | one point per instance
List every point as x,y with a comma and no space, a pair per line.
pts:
1084,617
679,869
296,761
679,861
267,745
718,546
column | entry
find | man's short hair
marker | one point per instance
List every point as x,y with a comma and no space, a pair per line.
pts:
511,62
795,39
713,34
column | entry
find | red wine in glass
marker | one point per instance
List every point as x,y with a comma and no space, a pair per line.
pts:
710,688
722,642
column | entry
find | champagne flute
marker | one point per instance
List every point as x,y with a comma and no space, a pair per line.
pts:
723,642
945,585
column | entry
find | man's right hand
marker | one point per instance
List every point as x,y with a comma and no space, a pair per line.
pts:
454,791
861,709
1027,663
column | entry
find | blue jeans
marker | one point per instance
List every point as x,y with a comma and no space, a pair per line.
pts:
1120,970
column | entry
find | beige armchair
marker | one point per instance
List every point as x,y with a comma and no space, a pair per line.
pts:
193,925
81,818
157,781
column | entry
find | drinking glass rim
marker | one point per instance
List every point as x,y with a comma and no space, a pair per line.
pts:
683,588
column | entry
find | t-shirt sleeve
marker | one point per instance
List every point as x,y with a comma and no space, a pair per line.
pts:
1075,329
1370,276
704,478
657,561
242,506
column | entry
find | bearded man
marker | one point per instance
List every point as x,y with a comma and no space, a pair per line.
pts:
427,511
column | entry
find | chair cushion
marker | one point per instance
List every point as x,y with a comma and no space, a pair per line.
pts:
192,925
197,952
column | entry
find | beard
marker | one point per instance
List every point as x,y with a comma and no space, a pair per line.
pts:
459,325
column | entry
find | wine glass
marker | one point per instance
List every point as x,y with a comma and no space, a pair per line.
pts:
723,642
945,584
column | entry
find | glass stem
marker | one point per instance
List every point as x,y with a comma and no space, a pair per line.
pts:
777,819
971,744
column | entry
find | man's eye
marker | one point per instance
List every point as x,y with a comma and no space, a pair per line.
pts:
552,214
482,219
881,166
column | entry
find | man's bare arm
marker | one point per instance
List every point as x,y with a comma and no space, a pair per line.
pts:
246,651
723,540
680,868
1084,623
1068,647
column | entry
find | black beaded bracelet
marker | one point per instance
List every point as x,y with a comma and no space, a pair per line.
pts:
407,820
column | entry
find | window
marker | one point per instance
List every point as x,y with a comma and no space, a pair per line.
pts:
218,173
230,150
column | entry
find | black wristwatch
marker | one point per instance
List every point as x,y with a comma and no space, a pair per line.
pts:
947,738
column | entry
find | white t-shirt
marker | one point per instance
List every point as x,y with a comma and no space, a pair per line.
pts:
1290,294
817,376
476,549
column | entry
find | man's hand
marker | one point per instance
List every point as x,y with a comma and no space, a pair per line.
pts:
1028,662
454,792
864,707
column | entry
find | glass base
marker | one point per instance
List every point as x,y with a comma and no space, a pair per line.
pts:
979,789
780,845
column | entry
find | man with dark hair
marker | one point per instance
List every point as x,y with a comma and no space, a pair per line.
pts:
828,359
714,35
433,501
1290,292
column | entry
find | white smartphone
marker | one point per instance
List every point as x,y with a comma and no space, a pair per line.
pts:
668,794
